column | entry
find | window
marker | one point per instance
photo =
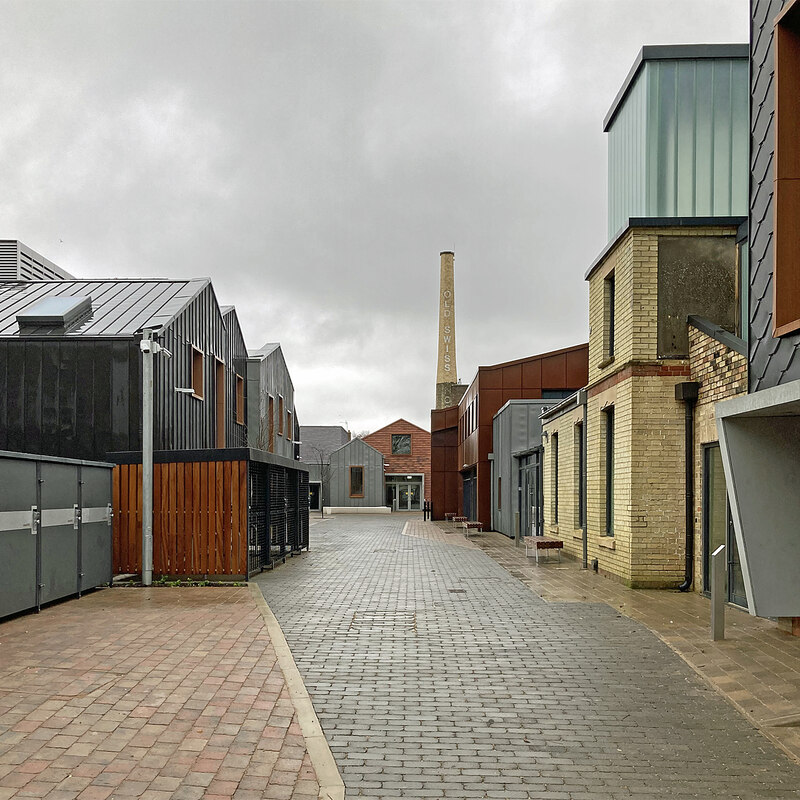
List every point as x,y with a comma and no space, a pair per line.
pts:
289,428
197,373
555,478
271,423
579,468
356,481
401,444
786,232
609,300
219,389
280,416
240,399
608,413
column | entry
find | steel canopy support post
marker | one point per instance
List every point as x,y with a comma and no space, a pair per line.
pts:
718,572
147,457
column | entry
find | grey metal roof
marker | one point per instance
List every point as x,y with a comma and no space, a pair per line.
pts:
321,438
670,52
265,350
120,308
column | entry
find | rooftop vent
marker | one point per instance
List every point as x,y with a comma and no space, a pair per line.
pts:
55,312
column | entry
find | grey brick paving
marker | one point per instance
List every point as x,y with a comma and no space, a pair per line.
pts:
489,692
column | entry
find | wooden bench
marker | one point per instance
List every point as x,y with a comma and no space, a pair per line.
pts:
469,527
537,543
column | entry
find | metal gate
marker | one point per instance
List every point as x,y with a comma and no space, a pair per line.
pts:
55,529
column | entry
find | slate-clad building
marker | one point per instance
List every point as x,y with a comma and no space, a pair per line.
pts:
271,414
760,432
317,442
71,368
357,476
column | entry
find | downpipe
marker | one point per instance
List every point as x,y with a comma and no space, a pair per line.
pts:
687,393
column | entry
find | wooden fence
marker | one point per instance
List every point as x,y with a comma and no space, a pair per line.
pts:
200,518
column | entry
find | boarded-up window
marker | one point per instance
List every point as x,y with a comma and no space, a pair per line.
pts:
786,235
197,373
240,399
356,481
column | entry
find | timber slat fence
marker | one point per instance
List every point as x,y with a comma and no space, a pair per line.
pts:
200,518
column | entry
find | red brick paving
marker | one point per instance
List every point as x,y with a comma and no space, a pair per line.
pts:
148,693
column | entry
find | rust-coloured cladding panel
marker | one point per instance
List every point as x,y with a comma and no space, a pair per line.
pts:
554,372
468,451
442,418
512,376
489,378
532,373
577,368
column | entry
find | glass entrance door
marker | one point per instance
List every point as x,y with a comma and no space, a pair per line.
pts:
718,527
408,497
404,494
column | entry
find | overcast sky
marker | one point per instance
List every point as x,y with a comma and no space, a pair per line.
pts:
313,159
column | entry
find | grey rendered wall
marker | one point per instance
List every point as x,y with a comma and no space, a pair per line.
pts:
357,453
772,361
515,428
268,376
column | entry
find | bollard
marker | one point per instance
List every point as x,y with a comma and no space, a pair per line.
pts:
718,569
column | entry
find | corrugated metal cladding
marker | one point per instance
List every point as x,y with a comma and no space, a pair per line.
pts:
77,393
268,377
357,453
182,421
772,361
19,263
516,428
678,144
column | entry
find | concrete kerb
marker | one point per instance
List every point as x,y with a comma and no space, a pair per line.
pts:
331,785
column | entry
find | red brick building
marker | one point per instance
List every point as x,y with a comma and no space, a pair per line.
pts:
406,449
461,436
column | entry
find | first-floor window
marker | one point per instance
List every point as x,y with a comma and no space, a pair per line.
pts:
608,413
356,481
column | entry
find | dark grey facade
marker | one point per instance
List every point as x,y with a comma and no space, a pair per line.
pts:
317,442
516,433
357,453
269,386
75,391
773,361
760,432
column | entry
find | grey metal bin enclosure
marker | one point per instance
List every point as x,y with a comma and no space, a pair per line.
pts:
55,529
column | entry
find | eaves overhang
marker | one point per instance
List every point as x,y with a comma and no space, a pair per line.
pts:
670,52
662,222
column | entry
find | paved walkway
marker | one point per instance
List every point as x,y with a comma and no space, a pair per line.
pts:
436,673
756,666
148,693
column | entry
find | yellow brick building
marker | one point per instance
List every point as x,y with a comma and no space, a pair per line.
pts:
642,290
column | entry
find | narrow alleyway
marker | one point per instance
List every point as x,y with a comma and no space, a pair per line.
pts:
435,673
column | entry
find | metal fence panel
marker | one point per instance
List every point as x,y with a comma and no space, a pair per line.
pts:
59,531
95,539
18,542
